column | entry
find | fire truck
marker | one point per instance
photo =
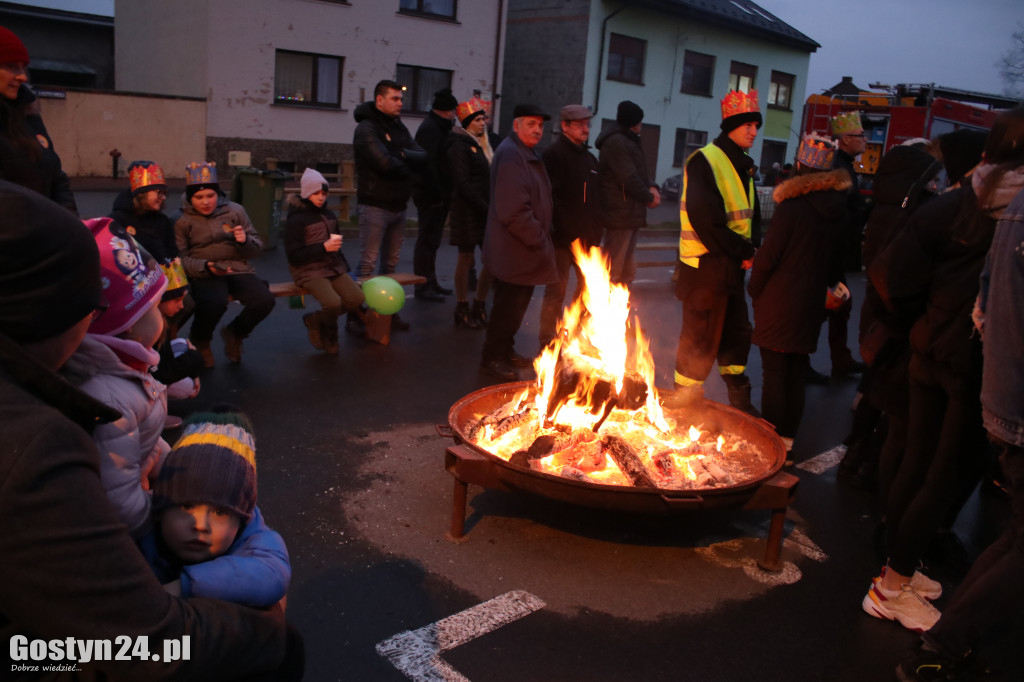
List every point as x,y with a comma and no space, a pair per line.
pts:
904,112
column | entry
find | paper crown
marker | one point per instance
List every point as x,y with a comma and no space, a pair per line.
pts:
472,106
816,152
846,122
204,173
177,281
144,176
739,102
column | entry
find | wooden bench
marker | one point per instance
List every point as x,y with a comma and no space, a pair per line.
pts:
378,327
658,246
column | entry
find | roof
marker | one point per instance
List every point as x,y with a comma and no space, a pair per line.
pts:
737,15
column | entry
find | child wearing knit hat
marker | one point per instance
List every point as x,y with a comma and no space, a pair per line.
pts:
113,365
312,242
209,538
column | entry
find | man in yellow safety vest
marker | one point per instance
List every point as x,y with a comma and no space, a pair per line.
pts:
719,221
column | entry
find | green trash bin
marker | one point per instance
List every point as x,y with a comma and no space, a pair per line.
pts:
261,192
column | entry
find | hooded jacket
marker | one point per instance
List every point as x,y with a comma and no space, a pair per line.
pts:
625,188
798,261
305,231
201,238
386,158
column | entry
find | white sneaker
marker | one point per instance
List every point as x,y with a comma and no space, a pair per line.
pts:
922,584
908,608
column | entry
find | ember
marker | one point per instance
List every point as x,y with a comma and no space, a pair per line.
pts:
593,414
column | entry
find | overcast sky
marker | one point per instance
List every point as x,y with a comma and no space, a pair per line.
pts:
954,43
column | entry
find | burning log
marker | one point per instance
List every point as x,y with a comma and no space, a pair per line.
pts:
628,461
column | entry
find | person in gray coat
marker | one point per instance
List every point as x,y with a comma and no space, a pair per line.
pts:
518,251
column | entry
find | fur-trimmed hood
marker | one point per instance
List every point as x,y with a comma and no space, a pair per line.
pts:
836,179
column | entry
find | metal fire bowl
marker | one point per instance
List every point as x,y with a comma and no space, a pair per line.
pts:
476,465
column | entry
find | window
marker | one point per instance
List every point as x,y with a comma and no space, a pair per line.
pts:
436,8
420,85
772,151
687,142
698,70
742,77
303,79
781,90
626,59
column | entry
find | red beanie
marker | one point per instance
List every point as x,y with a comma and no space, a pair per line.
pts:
12,50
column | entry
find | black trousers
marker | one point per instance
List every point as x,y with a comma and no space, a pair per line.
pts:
431,228
211,295
782,394
507,312
716,325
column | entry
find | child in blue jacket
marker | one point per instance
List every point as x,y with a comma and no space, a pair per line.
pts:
209,538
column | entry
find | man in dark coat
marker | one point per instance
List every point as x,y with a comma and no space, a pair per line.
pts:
387,158
518,250
719,215
626,191
432,193
70,571
575,188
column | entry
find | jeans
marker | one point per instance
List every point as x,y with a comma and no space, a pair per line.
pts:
621,248
212,295
380,227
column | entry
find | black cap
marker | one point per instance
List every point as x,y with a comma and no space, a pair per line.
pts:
529,110
629,114
444,100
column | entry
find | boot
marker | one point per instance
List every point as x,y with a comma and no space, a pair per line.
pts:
313,322
232,344
684,397
204,350
738,386
478,314
462,314
329,333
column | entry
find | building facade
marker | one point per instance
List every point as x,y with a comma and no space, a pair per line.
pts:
675,58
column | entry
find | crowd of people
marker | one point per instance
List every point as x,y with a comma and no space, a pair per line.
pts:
90,315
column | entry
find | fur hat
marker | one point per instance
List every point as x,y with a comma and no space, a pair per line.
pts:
49,266
628,114
12,50
444,100
145,176
131,278
312,182
740,107
214,462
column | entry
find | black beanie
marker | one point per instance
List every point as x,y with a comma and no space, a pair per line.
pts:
49,266
629,114
444,100
733,122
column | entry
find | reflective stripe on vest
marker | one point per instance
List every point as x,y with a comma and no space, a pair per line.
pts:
739,205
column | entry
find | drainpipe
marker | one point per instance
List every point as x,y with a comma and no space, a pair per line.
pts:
497,63
600,59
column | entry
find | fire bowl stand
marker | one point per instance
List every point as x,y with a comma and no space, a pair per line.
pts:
775,494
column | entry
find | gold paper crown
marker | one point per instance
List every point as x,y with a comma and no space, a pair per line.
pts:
145,174
204,173
175,274
816,152
846,122
739,102
474,105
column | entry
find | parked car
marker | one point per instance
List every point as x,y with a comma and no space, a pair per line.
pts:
672,188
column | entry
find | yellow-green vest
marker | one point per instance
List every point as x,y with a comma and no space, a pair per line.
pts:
739,204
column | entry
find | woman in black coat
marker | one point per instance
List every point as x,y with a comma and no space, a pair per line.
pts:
27,157
469,164
798,261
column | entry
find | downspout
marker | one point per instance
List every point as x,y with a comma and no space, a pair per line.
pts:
497,63
600,59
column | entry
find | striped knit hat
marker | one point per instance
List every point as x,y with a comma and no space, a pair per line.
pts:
214,462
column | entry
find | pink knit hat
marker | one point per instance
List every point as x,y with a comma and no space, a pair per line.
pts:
131,279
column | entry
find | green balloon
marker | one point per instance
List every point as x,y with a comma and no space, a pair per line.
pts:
384,295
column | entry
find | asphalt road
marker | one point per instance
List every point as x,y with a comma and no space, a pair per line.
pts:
351,473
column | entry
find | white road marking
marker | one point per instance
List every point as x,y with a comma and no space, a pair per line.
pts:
417,653
819,464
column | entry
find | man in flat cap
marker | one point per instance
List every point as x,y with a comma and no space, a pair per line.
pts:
576,201
517,251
